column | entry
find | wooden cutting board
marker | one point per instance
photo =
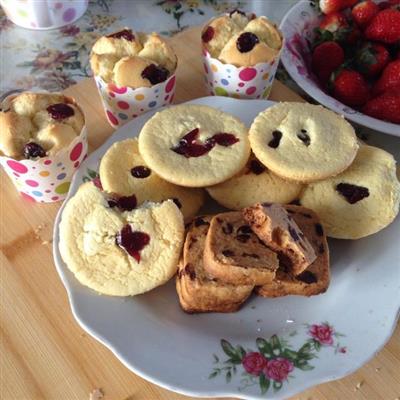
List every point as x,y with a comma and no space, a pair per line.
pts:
45,354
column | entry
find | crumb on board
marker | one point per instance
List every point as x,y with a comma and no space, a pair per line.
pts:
358,386
96,394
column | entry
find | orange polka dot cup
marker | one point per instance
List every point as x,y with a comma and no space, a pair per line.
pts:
253,82
47,179
122,104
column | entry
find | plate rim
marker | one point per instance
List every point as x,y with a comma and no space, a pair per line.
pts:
325,99
301,385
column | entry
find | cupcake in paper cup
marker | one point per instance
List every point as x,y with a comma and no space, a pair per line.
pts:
240,55
134,73
43,140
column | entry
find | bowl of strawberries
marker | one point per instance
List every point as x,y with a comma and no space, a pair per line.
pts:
346,55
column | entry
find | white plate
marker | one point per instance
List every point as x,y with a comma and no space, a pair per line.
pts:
153,337
297,27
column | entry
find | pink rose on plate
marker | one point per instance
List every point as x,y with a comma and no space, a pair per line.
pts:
254,363
278,369
322,333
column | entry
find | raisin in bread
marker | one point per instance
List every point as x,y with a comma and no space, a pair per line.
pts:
315,279
277,229
197,292
234,254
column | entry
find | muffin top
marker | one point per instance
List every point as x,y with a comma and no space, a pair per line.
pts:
39,124
242,40
132,59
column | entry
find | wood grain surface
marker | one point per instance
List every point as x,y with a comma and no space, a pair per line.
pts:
44,352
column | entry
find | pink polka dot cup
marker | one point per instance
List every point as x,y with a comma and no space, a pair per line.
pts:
47,179
122,104
239,82
44,14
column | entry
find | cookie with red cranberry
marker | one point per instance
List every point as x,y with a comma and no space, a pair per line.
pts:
117,249
194,145
254,184
38,124
316,277
132,59
196,290
362,200
303,142
124,172
234,254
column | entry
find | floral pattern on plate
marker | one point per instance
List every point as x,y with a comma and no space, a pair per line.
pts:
275,359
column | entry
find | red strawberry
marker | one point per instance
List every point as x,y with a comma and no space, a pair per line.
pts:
371,59
350,88
364,12
330,6
333,22
390,77
384,27
386,106
326,57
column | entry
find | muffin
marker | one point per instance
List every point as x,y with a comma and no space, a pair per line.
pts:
39,124
242,40
132,59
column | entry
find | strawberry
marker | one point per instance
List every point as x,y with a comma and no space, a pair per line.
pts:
371,59
364,12
386,106
326,58
332,27
350,88
384,27
330,6
390,77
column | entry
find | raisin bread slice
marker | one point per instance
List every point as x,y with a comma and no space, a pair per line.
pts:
197,292
315,279
234,254
277,229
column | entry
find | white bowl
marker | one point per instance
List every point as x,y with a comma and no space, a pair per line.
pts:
297,27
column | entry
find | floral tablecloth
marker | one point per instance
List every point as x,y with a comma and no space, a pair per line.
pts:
53,60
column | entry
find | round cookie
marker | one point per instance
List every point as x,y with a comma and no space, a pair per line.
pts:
194,146
303,142
362,200
254,184
123,171
116,252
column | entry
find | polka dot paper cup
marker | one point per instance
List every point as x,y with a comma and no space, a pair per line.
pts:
43,14
239,82
122,104
47,179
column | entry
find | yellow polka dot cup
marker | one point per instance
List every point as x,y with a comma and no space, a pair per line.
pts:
253,82
122,104
46,179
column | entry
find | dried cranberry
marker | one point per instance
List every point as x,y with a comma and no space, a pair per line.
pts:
189,147
189,270
177,202
124,34
228,253
307,277
256,167
124,203
140,172
319,230
199,222
112,202
33,150
246,42
208,34
352,193
60,111
132,241
303,136
155,74
224,139
245,229
277,136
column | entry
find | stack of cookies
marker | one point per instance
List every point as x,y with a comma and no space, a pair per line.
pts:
276,250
